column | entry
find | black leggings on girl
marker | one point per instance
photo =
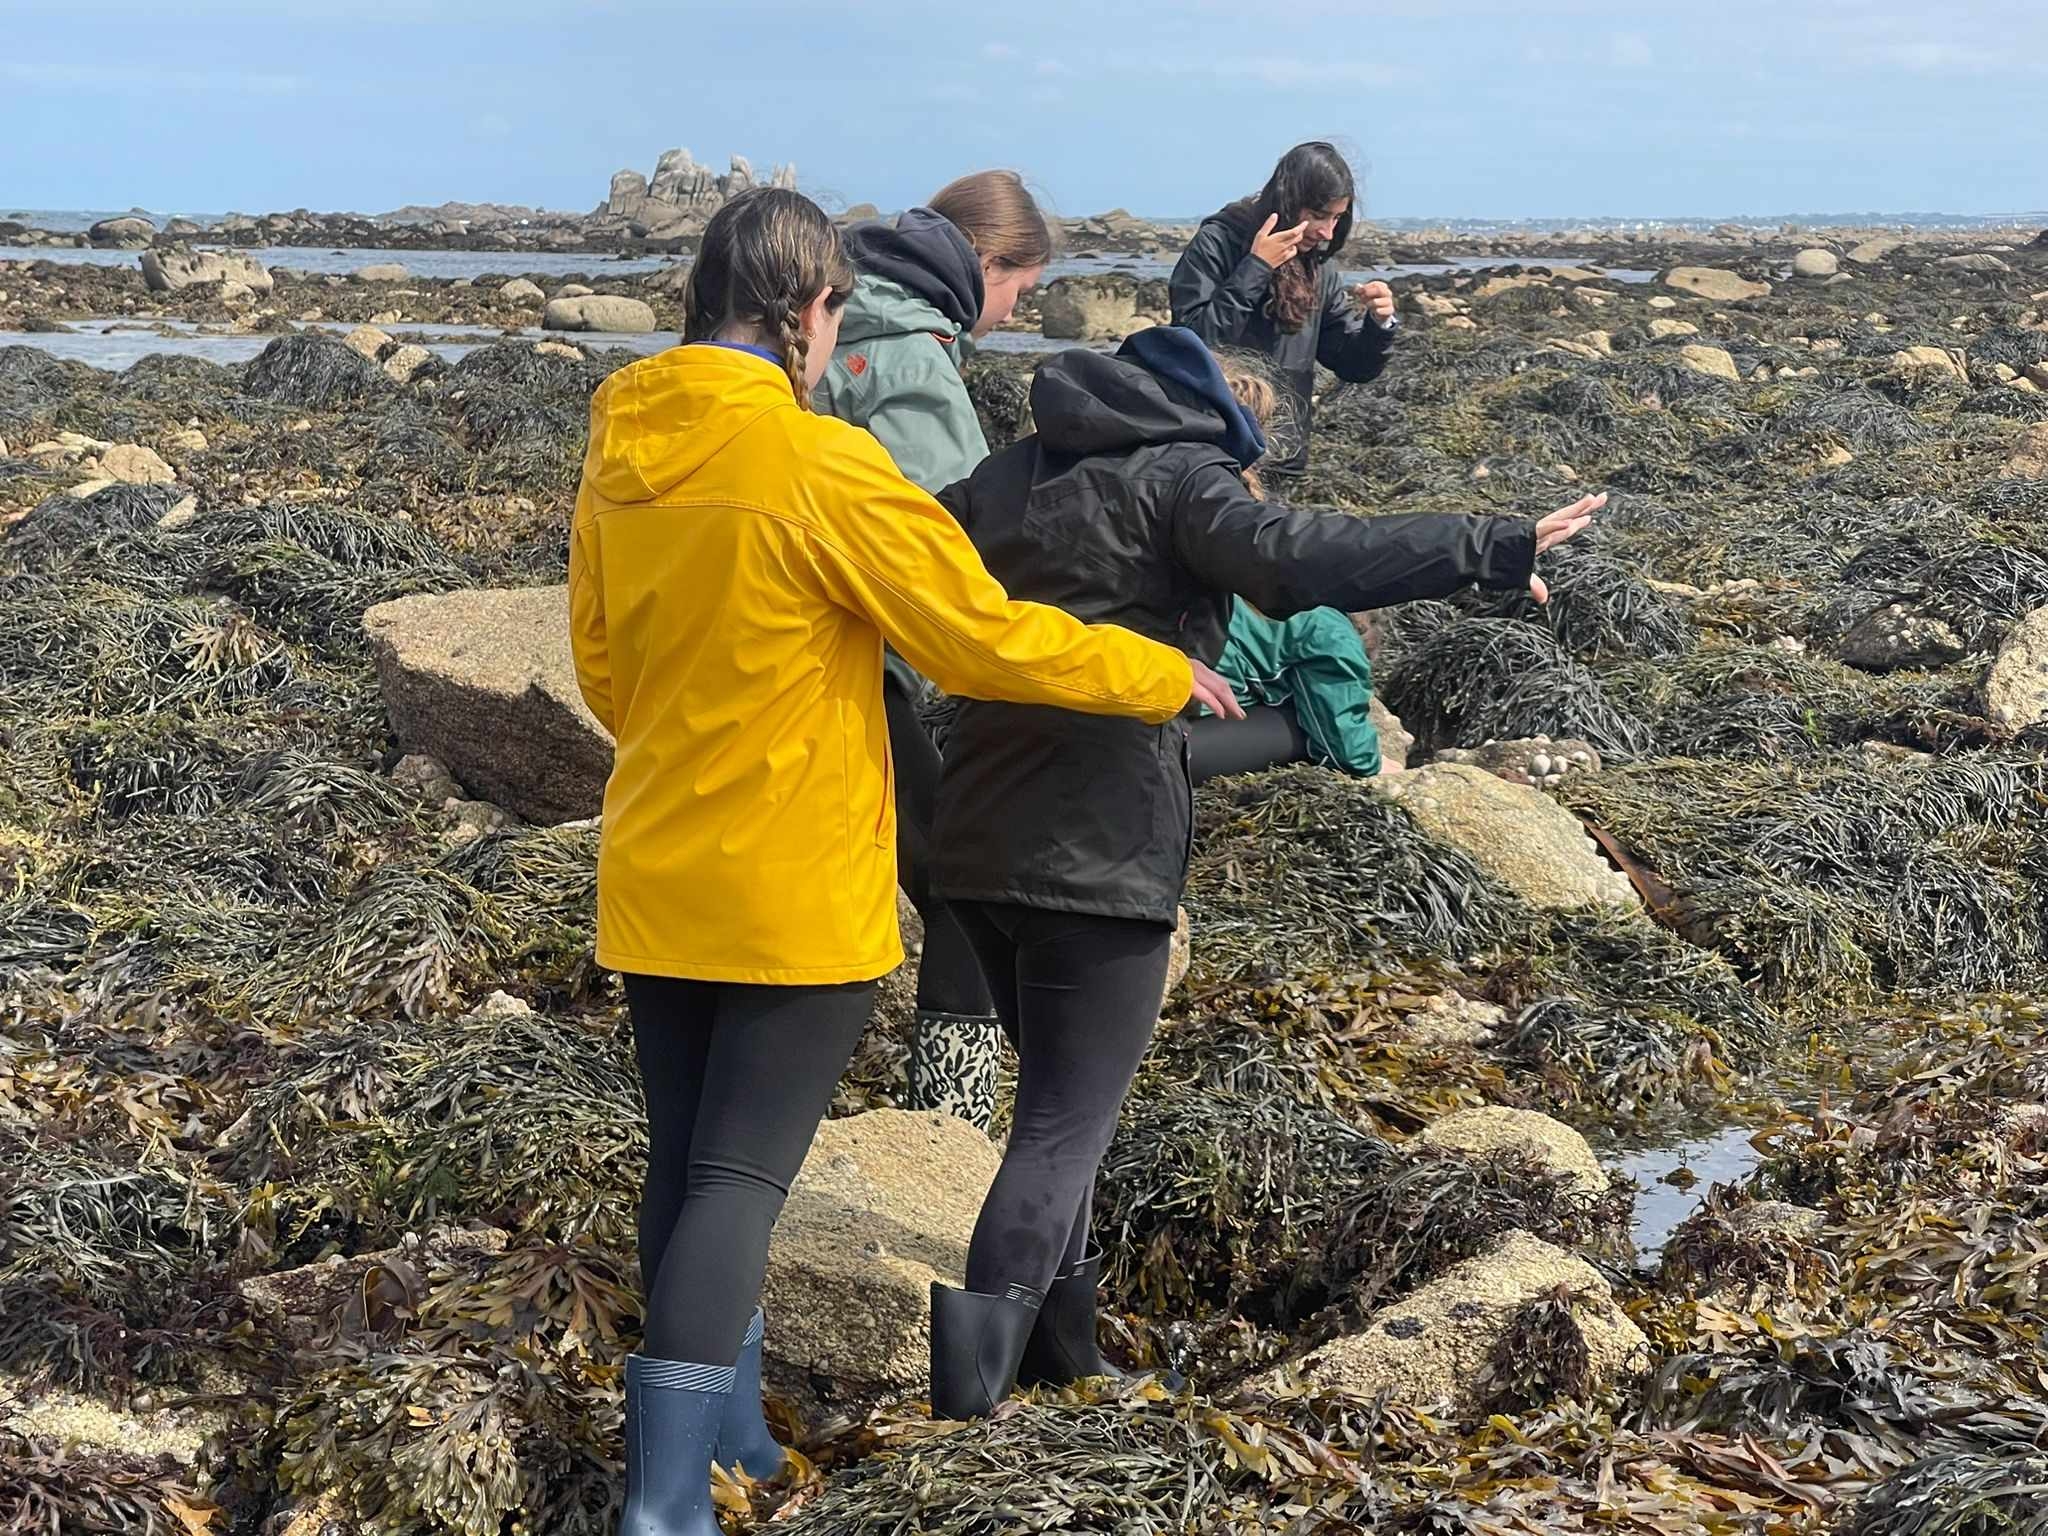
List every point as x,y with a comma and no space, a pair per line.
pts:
737,1079
948,975
1078,996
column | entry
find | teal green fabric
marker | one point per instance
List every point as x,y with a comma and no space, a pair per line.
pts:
896,371
1316,663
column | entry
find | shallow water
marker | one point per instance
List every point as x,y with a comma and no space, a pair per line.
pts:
1719,1157
472,264
115,344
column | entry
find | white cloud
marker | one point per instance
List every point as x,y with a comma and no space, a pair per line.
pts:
1630,50
1283,71
1941,58
998,51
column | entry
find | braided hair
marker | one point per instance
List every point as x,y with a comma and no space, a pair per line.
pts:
764,256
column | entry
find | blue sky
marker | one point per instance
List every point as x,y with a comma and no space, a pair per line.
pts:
1463,108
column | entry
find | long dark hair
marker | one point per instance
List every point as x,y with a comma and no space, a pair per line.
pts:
764,256
1311,175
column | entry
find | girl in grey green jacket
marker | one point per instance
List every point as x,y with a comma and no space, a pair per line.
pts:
929,285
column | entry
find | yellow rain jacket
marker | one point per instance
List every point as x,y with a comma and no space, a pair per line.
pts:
735,566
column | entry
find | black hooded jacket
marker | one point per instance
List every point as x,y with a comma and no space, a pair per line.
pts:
1219,292
926,253
1125,507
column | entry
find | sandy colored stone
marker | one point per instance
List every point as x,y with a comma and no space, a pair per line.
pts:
401,365
485,682
1178,956
178,267
1395,740
381,272
1777,1218
1450,1019
2029,460
884,1206
181,514
1432,1348
1714,283
1873,251
1663,329
367,341
1101,308
84,1422
1494,1129
2016,692
188,440
133,464
1913,359
598,312
1661,301
558,349
1515,833
1714,362
1816,263
522,291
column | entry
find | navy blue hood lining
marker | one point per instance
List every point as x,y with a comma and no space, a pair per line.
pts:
1179,358
925,253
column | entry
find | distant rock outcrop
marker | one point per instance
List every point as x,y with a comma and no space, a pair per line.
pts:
680,198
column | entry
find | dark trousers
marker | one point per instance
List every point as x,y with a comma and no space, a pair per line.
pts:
1268,736
737,1079
949,976
1078,996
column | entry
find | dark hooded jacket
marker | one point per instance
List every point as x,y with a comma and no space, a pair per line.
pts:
1220,291
1127,506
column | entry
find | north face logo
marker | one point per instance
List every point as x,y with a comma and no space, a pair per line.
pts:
857,365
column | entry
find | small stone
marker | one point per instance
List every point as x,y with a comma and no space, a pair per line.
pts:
181,514
1544,1143
381,272
368,341
402,364
1930,359
1816,263
189,440
1714,362
524,292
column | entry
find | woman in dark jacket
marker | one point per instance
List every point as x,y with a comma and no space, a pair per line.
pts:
1262,275
1062,841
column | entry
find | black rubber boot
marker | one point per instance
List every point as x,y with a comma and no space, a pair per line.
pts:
977,1341
673,1411
744,1443
1062,1348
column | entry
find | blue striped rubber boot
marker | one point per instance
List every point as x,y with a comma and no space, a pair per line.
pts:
743,1438
673,1411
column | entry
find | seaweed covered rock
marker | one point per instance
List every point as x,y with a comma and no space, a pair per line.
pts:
884,1206
1516,834
484,681
1465,1339
1896,637
312,372
350,1296
2016,693
1523,1134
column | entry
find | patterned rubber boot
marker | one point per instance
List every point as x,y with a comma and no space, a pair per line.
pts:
954,1061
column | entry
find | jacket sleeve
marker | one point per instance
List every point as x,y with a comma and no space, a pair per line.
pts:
1214,292
887,551
917,407
1286,560
587,639
1350,345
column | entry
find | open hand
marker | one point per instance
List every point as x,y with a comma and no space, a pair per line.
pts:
1376,299
1553,530
1214,693
1277,249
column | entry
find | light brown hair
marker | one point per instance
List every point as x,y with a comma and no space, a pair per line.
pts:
999,217
764,256
1252,385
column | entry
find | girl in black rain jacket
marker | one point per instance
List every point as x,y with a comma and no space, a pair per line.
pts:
1062,840
1262,275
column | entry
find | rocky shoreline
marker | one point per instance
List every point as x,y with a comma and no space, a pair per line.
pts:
315,1197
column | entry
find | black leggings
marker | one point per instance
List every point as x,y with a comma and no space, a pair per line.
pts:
737,1079
1267,736
1078,997
948,975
